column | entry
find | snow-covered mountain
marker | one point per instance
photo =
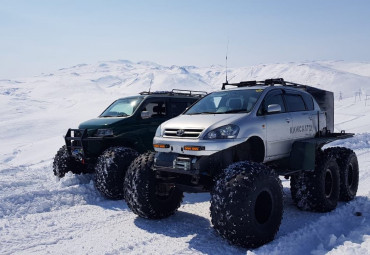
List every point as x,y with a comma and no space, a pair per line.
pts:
39,214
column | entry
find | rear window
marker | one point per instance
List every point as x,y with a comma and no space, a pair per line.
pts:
295,103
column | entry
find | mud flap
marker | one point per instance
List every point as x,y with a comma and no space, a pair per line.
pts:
302,156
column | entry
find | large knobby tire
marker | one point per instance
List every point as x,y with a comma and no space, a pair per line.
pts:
247,204
110,171
64,163
141,187
349,171
317,190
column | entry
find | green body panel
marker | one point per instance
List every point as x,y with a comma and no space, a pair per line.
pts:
132,131
101,122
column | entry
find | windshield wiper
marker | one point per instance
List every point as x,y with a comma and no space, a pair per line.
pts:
119,115
198,113
231,111
235,111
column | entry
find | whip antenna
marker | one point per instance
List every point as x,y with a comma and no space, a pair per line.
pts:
227,51
150,85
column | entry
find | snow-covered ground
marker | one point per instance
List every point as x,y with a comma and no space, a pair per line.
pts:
40,214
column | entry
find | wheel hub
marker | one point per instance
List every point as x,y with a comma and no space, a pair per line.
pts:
328,183
263,207
350,175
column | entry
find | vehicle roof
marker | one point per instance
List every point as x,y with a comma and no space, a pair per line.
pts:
266,87
162,96
137,96
244,88
171,96
274,82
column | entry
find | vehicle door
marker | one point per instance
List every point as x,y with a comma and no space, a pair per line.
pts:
302,118
277,125
157,113
178,105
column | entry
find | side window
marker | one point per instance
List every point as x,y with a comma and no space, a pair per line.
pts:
178,107
295,103
309,101
156,109
272,99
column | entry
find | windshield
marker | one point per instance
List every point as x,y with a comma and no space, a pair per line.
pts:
232,101
122,107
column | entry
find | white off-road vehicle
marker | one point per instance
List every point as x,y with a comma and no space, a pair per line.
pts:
235,143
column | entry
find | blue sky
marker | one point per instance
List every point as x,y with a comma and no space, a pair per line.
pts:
43,36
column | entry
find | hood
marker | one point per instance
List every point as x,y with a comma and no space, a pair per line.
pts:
100,122
202,121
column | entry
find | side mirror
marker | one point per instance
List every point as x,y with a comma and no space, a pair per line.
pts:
145,115
273,108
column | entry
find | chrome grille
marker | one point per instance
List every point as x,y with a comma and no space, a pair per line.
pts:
182,133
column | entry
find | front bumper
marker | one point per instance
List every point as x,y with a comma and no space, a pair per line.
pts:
209,146
83,147
205,165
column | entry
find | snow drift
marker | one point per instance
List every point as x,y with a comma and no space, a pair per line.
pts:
40,214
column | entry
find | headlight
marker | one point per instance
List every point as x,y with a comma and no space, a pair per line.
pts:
104,132
224,132
158,133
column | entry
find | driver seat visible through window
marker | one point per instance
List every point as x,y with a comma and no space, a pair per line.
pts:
235,104
159,111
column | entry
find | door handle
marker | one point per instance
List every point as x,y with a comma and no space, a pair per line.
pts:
288,120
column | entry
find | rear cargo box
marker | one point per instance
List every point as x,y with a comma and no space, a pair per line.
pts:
325,99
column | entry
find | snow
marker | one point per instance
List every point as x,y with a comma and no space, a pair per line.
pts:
41,214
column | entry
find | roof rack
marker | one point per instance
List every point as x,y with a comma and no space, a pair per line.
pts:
178,92
268,82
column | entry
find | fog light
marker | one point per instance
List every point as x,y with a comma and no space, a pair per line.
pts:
162,146
194,148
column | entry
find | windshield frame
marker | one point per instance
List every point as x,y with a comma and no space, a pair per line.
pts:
238,93
139,100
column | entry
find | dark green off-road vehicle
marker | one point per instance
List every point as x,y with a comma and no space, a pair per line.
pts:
107,144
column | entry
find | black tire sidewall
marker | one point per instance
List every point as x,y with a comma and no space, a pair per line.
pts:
63,163
140,190
348,191
328,203
110,171
346,158
308,188
233,205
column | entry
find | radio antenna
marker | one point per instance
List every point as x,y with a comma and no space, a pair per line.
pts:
227,51
150,85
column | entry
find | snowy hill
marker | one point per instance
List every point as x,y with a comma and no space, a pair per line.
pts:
40,214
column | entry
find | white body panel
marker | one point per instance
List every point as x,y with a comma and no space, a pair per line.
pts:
278,135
